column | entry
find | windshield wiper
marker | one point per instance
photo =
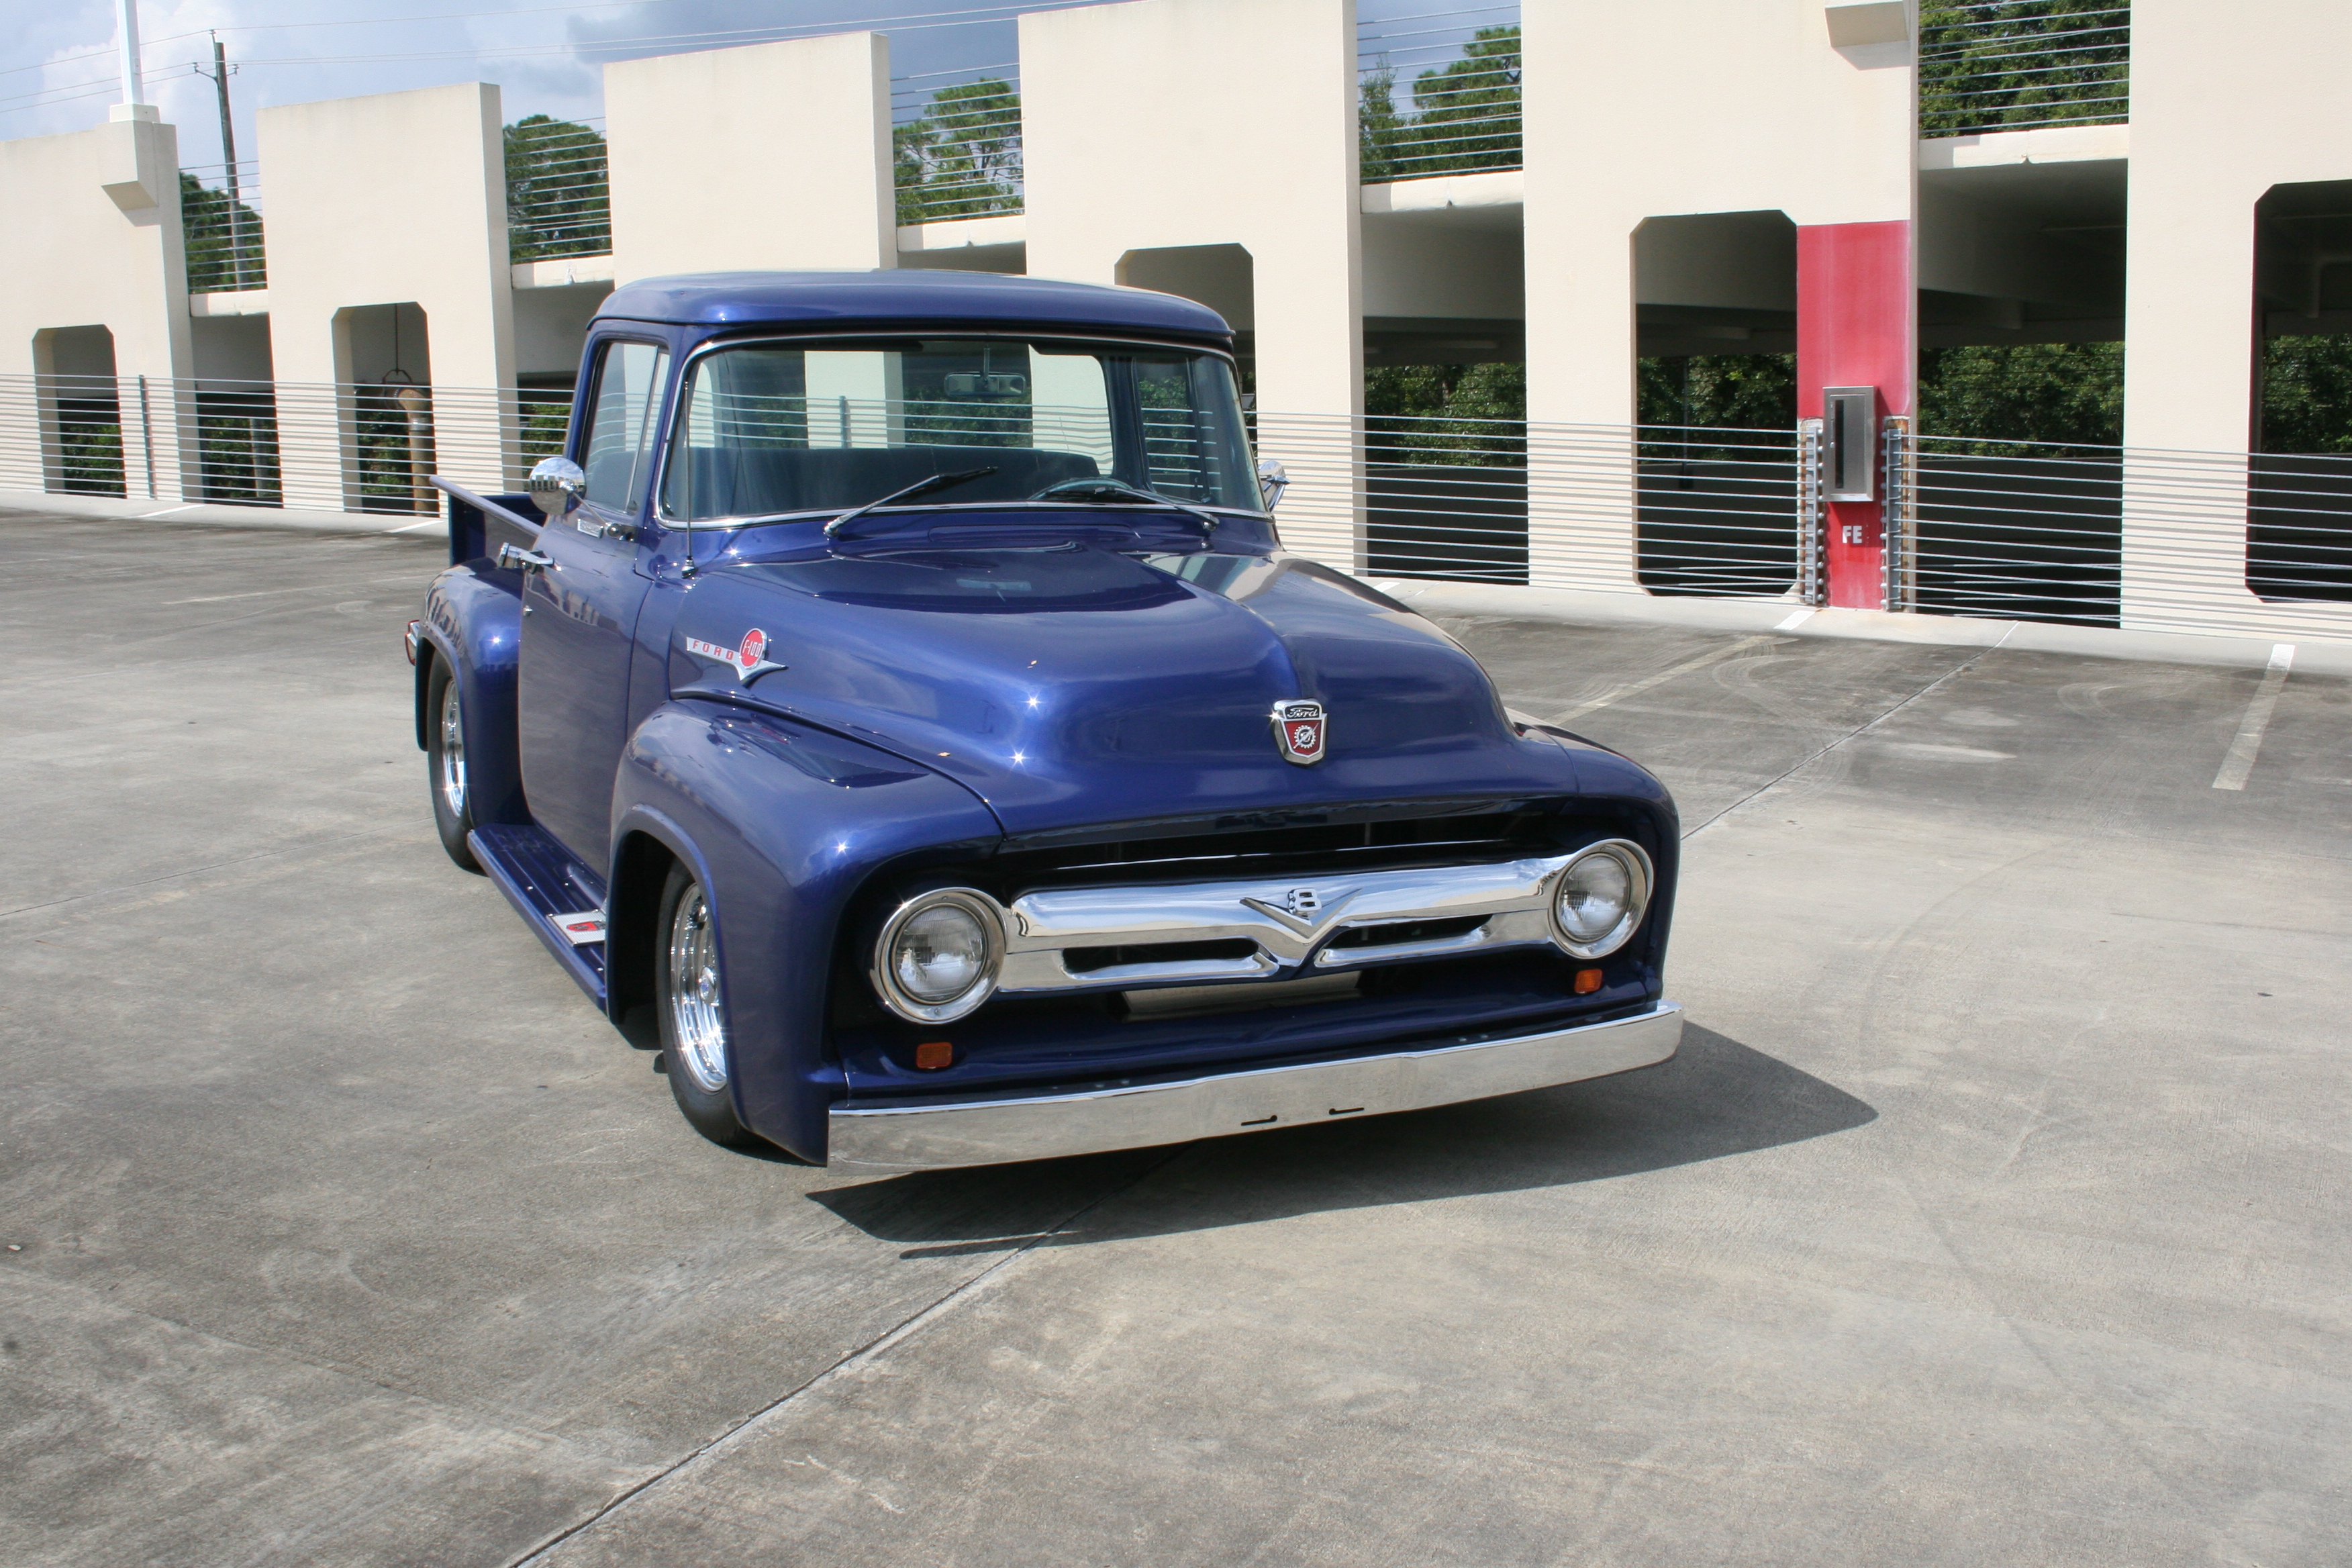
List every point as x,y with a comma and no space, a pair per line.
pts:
1108,489
919,488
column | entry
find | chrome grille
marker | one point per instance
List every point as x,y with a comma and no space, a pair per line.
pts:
1085,939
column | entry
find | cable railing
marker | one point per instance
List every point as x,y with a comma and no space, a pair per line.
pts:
363,446
2021,65
1714,512
1432,101
2299,511
956,143
1717,511
733,436
559,193
2096,536
2019,530
2105,535
2222,542
220,222
1445,498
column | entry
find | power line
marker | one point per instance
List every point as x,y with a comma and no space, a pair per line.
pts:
914,21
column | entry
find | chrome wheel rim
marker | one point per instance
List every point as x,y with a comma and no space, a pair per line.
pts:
696,1021
452,775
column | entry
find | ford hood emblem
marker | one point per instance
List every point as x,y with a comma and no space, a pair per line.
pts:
1300,730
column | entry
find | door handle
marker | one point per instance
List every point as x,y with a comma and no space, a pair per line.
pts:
515,555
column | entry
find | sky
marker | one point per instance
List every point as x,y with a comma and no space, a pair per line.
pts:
58,70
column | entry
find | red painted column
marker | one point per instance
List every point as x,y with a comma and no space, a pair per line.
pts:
1857,308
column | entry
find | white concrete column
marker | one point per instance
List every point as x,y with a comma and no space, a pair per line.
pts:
855,398
98,245
769,156
1155,131
1793,106
2227,101
395,199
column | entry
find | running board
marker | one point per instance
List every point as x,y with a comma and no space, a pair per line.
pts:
560,899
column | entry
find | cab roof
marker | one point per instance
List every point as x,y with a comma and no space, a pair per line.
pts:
889,296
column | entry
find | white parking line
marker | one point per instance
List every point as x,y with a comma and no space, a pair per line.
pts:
1793,622
428,522
2240,760
170,509
1643,685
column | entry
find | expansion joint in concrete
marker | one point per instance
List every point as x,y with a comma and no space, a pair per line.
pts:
880,1345
1767,787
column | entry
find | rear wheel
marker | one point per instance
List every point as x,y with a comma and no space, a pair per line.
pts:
692,1010
444,764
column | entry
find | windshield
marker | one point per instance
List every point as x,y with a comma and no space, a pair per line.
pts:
823,425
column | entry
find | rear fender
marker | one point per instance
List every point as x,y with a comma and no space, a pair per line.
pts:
473,618
781,823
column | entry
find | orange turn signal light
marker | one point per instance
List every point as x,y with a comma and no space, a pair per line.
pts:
933,1055
1587,981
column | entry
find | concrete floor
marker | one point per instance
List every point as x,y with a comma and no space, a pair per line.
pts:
1993,1212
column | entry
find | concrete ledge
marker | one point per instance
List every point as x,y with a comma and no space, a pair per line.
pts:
208,515
1594,608
230,302
1436,193
563,271
2044,144
964,233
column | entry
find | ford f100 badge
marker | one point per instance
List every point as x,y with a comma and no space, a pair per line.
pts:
1300,729
746,661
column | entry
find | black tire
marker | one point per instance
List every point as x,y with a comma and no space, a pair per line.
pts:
697,1048
446,779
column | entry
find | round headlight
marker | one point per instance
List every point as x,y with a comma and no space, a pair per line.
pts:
1601,899
936,957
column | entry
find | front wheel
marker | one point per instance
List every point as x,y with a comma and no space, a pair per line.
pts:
693,1012
444,765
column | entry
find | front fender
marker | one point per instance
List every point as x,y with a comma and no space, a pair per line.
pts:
474,620
783,823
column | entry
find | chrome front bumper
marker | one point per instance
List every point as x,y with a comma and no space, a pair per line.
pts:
878,1140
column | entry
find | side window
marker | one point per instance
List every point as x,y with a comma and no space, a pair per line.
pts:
620,434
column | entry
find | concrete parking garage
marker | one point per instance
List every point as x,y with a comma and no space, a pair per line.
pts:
1993,1210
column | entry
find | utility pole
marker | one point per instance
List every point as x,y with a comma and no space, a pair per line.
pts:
126,34
219,75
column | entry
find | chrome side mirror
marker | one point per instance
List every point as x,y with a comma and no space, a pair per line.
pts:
558,486
1271,481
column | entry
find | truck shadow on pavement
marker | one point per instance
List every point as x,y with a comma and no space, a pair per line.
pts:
1715,1098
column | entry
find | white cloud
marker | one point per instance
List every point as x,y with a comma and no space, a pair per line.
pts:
59,72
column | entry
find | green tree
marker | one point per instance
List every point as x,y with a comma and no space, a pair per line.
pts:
1999,394
559,200
1380,128
1447,414
1718,392
224,239
961,156
2307,394
1467,113
2028,62
1469,107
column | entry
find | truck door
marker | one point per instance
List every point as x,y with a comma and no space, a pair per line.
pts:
580,611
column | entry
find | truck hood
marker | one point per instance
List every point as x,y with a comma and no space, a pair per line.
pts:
1065,682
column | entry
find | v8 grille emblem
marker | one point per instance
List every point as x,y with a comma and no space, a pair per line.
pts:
1302,910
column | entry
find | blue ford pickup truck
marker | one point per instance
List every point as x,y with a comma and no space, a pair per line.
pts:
898,690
